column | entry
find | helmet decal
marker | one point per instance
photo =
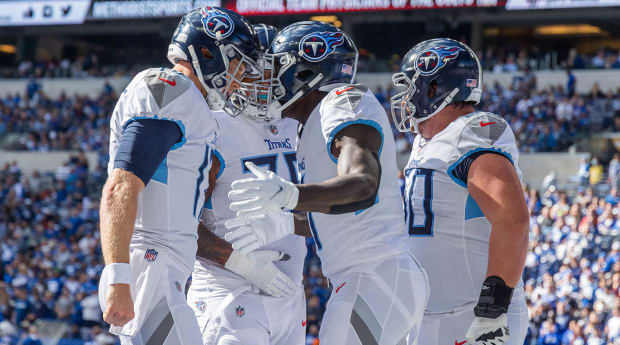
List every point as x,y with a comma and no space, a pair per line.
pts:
317,45
433,59
215,21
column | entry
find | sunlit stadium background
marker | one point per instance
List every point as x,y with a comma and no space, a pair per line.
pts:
552,69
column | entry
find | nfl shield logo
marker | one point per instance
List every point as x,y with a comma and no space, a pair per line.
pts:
240,311
201,305
178,285
273,129
150,255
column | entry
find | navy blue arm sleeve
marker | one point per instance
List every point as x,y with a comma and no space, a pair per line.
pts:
144,145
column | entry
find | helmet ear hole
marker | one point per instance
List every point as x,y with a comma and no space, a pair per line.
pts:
206,53
432,89
304,75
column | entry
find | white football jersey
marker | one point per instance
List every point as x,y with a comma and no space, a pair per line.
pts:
169,206
268,145
352,241
448,232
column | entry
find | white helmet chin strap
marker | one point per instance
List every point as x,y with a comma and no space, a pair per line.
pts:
276,111
214,101
445,102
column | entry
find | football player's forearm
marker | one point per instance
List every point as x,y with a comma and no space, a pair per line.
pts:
495,186
507,251
340,190
211,247
119,203
358,178
302,228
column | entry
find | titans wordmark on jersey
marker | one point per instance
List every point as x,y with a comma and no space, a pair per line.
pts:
448,232
271,146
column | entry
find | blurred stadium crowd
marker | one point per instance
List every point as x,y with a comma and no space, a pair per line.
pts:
51,260
543,121
496,59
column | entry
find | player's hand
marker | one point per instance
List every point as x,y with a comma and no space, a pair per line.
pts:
257,267
486,331
119,305
249,234
267,192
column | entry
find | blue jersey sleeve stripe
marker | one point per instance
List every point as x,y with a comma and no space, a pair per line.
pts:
459,180
220,158
343,125
179,123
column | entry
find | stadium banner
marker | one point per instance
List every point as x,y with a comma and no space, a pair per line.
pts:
146,8
550,4
43,12
275,7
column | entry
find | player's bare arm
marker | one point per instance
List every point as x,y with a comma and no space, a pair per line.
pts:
354,188
210,246
359,173
119,204
302,228
493,183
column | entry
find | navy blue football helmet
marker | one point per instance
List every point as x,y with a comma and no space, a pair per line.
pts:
266,34
210,38
303,57
449,64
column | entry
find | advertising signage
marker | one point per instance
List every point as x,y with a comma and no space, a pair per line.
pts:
272,7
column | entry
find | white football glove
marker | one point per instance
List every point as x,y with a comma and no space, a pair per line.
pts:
486,331
252,233
266,193
257,267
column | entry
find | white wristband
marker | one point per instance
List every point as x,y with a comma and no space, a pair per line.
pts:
118,273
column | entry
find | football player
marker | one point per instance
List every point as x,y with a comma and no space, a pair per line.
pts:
347,185
242,297
162,131
467,218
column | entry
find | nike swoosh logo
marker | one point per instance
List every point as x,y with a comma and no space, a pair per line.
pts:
341,285
461,343
303,323
484,124
276,193
340,92
171,83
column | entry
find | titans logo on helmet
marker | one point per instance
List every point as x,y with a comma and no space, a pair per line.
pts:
317,45
433,59
215,22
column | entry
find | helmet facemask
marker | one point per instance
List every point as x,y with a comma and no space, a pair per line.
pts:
225,90
403,110
269,95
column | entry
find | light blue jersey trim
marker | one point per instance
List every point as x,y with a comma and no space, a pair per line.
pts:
472,210
208,204
364,209
178,122
161,174
220,171
471,152
343,125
